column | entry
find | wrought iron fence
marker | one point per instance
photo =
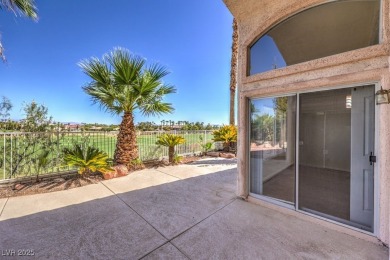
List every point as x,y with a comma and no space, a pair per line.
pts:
31,154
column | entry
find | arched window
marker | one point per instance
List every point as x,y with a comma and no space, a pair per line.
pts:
317,32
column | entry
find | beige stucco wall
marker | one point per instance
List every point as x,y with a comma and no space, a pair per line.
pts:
366,65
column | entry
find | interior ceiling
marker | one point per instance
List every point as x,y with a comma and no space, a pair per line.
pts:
326,30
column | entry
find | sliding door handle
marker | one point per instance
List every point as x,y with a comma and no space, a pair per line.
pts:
372,158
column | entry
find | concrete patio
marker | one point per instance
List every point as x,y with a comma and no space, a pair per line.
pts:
179,212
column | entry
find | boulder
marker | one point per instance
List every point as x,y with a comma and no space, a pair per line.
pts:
121,170
117,171
18,186
227,155
59,180
213,154
108,175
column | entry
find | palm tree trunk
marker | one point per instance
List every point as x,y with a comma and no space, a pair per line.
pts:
171,153
126,146
233,72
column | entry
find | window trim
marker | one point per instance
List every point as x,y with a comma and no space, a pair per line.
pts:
290,15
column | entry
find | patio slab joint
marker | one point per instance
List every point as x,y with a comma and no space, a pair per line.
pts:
116,195
5,204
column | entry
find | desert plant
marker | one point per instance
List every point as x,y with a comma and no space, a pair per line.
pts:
177,159
35,150
136,164
170,141
226,134
205,146
122,84
42,162
88,159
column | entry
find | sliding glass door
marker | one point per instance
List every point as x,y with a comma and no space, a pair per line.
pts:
335,175
336,138
272,147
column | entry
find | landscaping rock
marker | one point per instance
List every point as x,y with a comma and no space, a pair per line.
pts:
227,155
213,154
59,180
108,175
121,170
18,186
118,171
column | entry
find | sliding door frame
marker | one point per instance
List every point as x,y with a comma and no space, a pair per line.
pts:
295,204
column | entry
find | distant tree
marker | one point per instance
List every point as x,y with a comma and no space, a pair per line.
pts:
37,118
18,7
280,104
5,108
208,127
233,71
35,151
263,127
147,126
121,83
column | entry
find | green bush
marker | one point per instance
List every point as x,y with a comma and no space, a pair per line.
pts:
226,134
87,159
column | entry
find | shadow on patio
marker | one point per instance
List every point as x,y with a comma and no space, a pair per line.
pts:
154,214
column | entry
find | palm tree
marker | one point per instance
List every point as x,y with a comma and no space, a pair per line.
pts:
121,84
233,71
170,141
18,7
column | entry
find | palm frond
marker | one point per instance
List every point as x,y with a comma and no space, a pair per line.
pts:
156,71
126,67
20,7
170,140
156,108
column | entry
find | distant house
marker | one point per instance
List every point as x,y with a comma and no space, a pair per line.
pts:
96,128
72,126
314,121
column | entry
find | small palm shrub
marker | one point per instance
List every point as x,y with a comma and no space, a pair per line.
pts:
177,159
205,146
170,141
137,164
87,160
226,134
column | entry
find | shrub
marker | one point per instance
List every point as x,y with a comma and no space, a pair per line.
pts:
226,134
170,141
88,159
177,159
136,164
205,146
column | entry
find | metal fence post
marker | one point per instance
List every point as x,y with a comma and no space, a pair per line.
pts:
58,148
4,157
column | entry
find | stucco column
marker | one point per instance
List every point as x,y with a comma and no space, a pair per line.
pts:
384,166
242,149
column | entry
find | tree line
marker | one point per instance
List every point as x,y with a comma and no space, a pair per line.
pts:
168,125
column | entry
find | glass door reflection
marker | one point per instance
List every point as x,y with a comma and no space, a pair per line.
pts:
272,147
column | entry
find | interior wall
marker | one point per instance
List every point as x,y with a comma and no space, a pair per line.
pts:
325,130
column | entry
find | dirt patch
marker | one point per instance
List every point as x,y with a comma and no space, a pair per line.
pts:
57,184
73,181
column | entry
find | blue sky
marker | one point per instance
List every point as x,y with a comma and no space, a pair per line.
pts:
192,38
